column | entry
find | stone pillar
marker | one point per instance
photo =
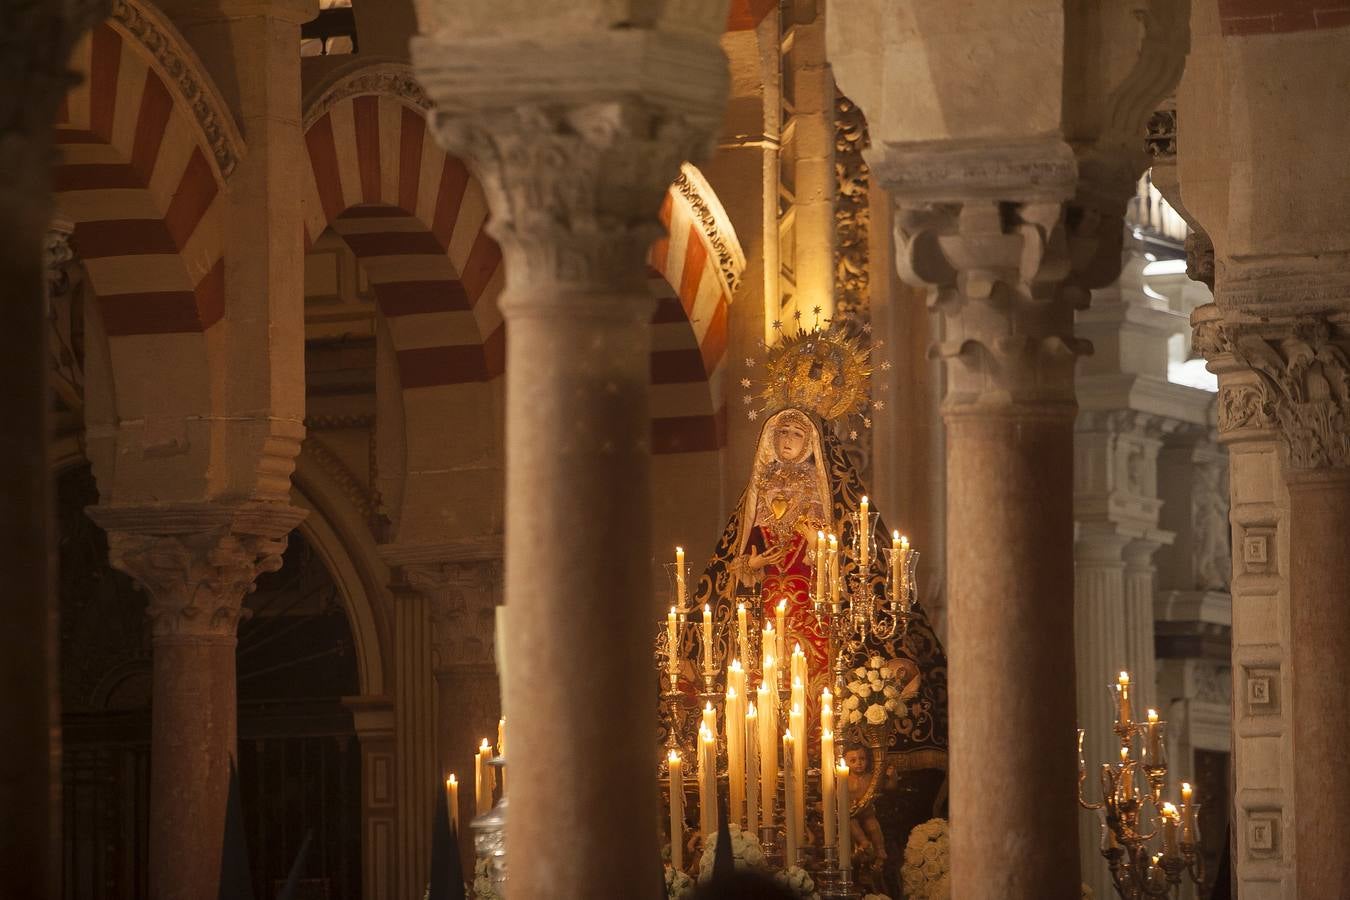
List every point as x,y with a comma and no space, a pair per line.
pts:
374,721
196,564
993,245
414,730
1099,636
1140,658
42,36
1303,388
576,135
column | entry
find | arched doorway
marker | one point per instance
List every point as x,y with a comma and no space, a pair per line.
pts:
299,761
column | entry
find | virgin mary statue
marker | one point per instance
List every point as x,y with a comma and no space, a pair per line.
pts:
802,482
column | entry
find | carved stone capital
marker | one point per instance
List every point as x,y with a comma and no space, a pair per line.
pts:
196,563
1304,373
574,190
576,142
998,273
463,587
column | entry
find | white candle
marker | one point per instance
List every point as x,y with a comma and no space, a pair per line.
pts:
768,649
452,798
1187,815
742,633
1153,738
827,802
1124,714
835,586
822,566
676,810
797,725
707,782
735,717
895,568
501,748
864,538
709,719
707,638
679,577
673,642
780,614
768,746
752,788
483,777
845,832
790,801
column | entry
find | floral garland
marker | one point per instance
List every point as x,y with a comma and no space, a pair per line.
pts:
746,853
679,886
926,869
874,696
797,882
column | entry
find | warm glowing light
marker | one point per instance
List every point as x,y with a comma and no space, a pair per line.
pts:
1153,717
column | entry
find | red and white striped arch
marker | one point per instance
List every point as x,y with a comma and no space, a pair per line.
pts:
414,218
699,261
142,185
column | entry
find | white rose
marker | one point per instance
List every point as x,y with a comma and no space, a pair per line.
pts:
891,705
860,671
854,717
876,714
851,703
885,672
875,662
889,691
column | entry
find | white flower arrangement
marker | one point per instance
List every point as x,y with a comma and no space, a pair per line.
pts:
926,869
875,897
873,696
797,882
482,882
745,852
679,886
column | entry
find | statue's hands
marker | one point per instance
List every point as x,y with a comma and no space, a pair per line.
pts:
773,557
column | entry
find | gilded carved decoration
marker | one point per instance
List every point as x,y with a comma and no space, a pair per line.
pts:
1306,376
852,216
173,57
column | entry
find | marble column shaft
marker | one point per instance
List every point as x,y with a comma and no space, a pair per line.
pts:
34,82
995,250
575,181
196,574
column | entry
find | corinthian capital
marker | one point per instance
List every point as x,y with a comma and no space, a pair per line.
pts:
196,563
576,138
1304,370
574,188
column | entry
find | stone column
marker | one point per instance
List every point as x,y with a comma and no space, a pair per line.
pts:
1304,388
374,721
993,244
576,135
414,729
196,564
1099,636
1140,658
33,83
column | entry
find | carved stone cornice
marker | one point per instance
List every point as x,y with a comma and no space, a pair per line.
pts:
1304,388
1038,170
575,140
360,77
196,562
174,58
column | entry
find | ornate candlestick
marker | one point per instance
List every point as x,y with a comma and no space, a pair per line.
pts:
1138,870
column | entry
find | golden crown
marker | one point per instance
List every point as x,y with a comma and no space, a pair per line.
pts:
825,371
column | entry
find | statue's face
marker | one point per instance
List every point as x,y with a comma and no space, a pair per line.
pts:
856,760
789,442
